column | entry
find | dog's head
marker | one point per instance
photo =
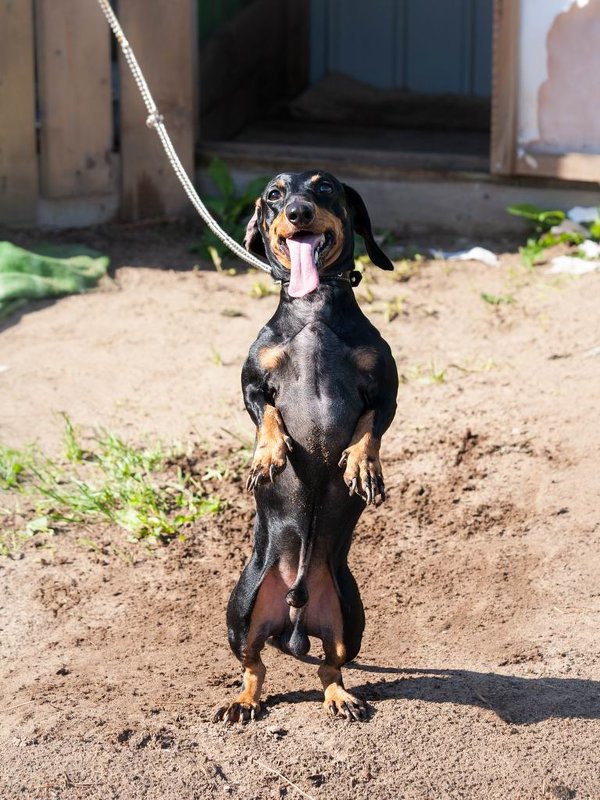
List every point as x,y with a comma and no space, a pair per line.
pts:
304,224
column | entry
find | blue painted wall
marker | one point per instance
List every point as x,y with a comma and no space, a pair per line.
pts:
426,46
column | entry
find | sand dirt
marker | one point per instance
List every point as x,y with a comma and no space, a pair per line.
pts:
480,574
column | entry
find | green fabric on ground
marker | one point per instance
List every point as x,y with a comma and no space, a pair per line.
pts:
51,271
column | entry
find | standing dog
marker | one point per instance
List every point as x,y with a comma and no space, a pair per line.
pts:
320,385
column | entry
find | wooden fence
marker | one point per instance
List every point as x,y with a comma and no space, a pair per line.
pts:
74,146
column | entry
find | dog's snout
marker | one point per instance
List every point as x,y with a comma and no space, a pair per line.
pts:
300,212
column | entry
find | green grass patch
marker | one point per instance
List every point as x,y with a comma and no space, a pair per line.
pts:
149,493
497,299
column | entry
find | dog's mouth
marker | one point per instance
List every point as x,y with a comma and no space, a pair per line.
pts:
306,252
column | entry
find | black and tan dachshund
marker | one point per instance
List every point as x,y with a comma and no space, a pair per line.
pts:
320,385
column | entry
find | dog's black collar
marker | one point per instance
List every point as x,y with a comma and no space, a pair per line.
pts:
353,277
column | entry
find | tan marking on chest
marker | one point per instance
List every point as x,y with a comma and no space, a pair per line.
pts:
365,358
271,357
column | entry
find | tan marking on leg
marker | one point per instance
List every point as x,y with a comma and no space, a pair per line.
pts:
271,357
338,702
272,446
268,617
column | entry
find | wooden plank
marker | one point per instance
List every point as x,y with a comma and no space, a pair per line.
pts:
163,35
567,166
505,86
18,159
75,97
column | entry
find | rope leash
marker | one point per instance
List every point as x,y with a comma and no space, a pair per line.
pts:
156,121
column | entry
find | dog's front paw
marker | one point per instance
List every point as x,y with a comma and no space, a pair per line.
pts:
363,474
270,458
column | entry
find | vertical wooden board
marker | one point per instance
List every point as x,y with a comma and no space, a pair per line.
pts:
163,36
18,159
74,83
507,15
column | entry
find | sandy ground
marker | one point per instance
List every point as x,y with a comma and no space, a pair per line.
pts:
480,575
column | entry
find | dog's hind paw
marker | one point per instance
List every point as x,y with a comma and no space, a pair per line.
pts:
237,711
341,704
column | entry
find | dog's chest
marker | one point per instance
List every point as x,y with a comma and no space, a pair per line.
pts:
319,389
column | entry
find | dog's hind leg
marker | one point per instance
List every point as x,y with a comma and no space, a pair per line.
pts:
340,622
257,610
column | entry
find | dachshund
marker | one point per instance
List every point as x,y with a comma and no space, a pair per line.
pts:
320,385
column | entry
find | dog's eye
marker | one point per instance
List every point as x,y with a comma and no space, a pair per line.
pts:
274,194
325,188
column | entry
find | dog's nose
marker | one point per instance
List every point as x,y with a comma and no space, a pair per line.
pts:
300,212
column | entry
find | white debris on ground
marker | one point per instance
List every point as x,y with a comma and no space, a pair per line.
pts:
571,265
590,249
474,254
568,226
586,260
581,214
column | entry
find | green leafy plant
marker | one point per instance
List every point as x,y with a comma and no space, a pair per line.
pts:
543,221
231,208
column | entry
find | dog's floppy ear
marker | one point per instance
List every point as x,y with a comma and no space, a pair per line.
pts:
253,241
362,226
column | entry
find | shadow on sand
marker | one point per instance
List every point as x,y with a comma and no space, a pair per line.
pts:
515,700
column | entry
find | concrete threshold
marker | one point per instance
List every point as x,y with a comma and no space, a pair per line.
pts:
411,194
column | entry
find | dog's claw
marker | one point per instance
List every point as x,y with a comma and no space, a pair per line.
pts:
237,711
343,459
346,706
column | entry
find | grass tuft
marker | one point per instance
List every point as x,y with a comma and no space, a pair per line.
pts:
140,490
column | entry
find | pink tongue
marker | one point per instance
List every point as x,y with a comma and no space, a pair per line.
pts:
305,277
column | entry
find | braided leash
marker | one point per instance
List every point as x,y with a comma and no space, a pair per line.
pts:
156,121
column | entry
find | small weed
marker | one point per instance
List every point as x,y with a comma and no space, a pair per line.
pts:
73,450
13,466
111,482
260,290
497,299
216,357
393,308
407,268
232,312
436,375
427,375
366,295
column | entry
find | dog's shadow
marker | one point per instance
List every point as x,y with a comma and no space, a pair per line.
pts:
515,700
